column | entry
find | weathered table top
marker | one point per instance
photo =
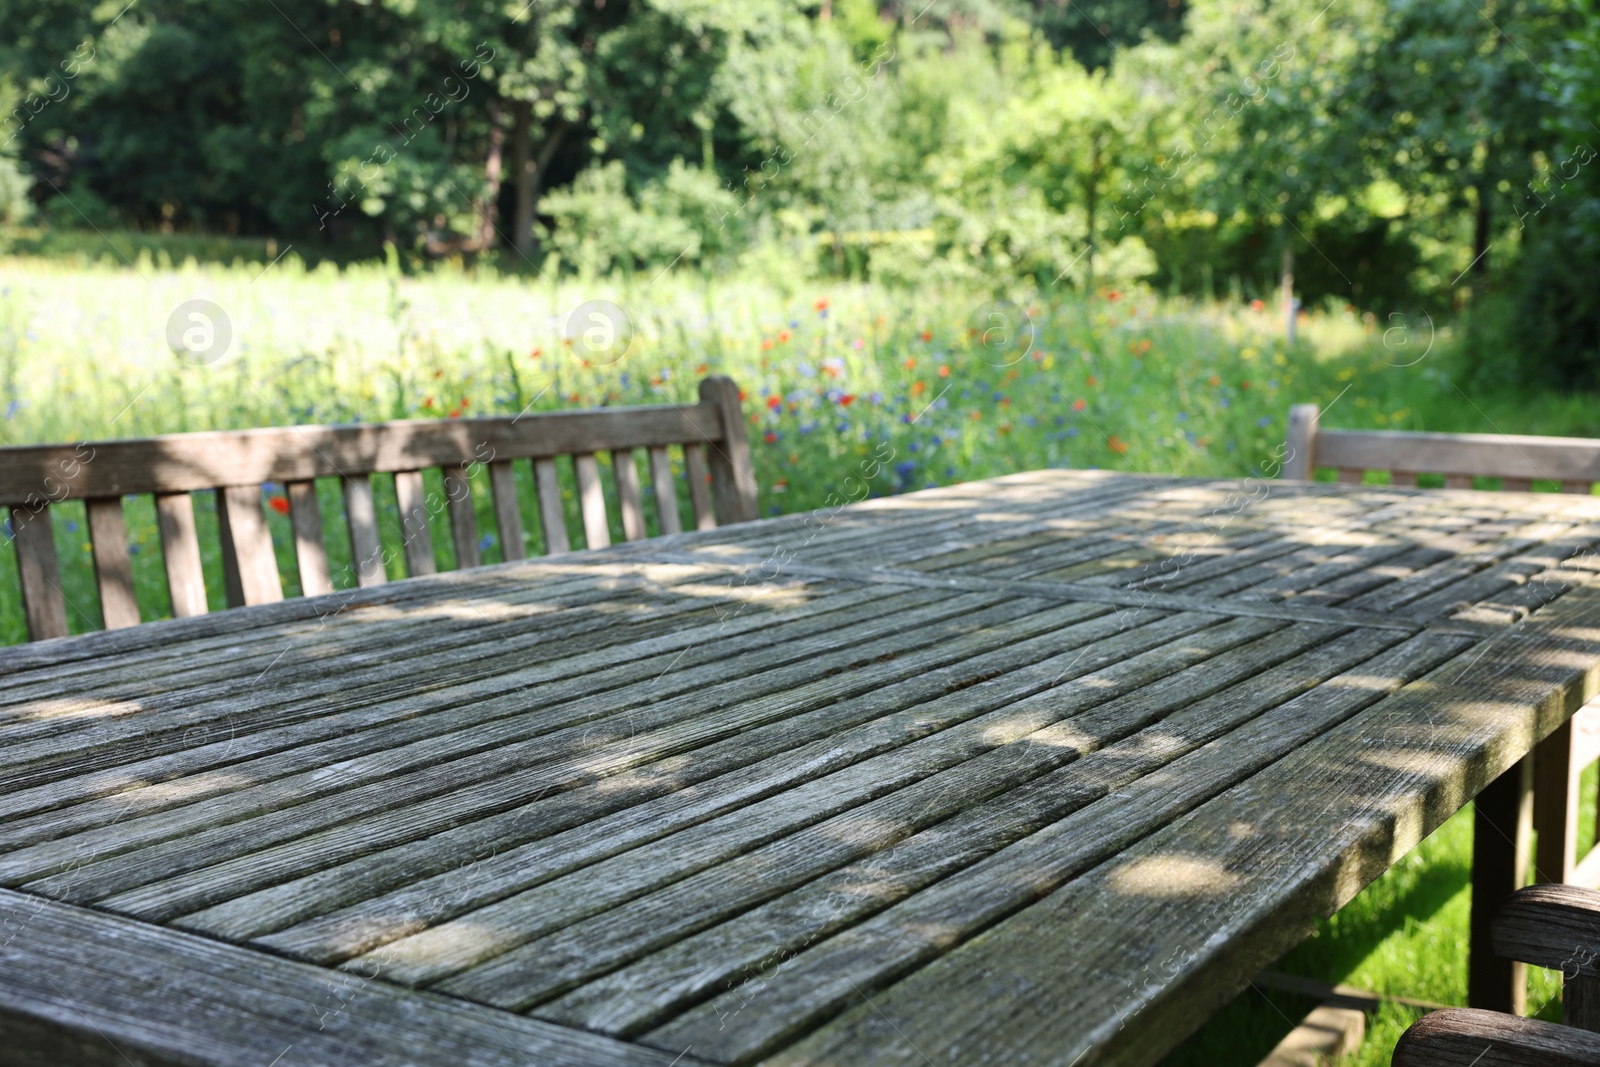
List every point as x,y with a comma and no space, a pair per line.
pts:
1040,769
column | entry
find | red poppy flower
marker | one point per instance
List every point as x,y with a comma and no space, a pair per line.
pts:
845,401
1256,305
783,336
1116,444
772,438
1079,405
927,335
1093,381
944,372
278,504
821,305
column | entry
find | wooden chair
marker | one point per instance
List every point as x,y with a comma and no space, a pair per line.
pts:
235,464
1552,926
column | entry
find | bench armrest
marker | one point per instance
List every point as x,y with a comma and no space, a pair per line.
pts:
1468,1037
1555,926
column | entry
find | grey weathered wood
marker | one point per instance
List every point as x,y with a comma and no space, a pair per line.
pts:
908,756
113,567
628,499
552,514
1468,1037
665,491
1300,458
507,510
296,456
202,461
1351,475
250,569
826,976
1502,840
694,462
1326,1035
1332,817
412,499
180,549
283,732
177,841
591,501
361,516
1556,926
310,552
733,478
1517,460
40,575
463,517
86,988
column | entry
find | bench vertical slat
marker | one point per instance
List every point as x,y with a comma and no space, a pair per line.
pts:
310,554
180,549
1516,485
507,513
1458,481
249,565
666,491
1351,475
627,472
733,477
552,516
591,501
1408,478
408,490
694,462
113,568
366,551
463,518
37,567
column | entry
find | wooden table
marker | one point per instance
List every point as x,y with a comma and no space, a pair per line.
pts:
1035,770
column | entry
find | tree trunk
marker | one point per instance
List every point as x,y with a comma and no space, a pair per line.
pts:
1480,234
490,212
1091,201
1286,285
530,167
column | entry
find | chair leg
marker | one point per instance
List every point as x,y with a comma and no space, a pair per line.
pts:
1502,831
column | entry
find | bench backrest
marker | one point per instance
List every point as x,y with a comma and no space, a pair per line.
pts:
236,464
1571,462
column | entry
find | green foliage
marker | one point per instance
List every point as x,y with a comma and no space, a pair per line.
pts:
1416,154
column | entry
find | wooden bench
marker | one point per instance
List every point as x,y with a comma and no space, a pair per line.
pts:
1573,465
235,464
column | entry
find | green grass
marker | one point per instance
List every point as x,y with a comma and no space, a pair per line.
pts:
836,377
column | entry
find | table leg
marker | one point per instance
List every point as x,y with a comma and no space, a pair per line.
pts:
1502,832
1555,807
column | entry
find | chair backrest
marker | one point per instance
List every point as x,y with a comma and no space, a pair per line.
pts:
1518,461
237,464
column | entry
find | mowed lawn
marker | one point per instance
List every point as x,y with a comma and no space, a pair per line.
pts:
845,386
